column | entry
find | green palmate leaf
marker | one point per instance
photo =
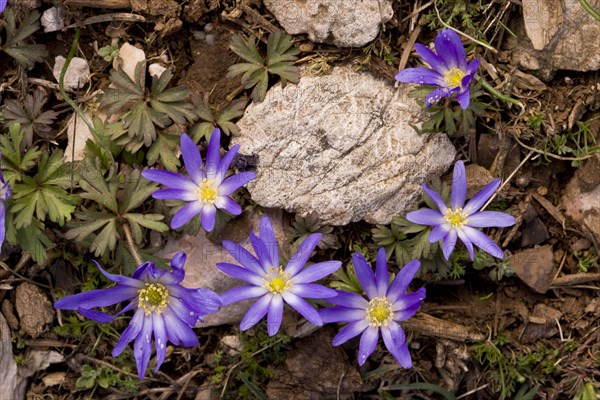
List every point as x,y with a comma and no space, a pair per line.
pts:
25,54
347,280
150,221
30,239
89,222
216,119
137,190
97,188
165,148
16,163
45,193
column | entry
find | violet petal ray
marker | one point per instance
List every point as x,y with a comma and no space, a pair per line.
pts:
303,307
402,280
473,66
430,58
407,313
459,186
395,341
240,293
316,271
486,244
160,339
488,219
208,217
185,214
365,275
213,154
96,298
437,199
382,275
420,75
481,197
275,315
241,273
350,300
119,279
192,159
425,216
226,163
229,205
175,194
303,253
264,256
466,241
312,291
342,314
464,98
448,243
256,312
243,256
368,343
234,182
267,236
439,232
178,329
350,331
408,300
170,179
142,347
436,95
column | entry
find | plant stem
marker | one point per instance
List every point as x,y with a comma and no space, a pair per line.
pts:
130,243
495,93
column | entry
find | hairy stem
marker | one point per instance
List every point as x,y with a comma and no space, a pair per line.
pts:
131,244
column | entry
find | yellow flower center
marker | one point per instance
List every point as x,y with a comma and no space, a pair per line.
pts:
379,312
457,218
154,297
454,77
277,281
207,191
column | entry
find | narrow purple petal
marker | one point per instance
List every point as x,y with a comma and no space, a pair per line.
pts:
351,330
464,98
368,343
459,185
97,316
264,257
119,279
240,293
430,58
302,306
130,333
178,332
267,236
208,217
480,198
407,313
408,300
473,66
177,274
382,275
241,273
424,76
449,48
395,341
229,205
213,155
243,256
192,159
170,179
175,194
436,95
342,314
225,163
96,298
449,243
160,339
439,232
402,280
256,312
365,275
316,271
488,219
202,301
425,216
234,182
480,240
303,254
2,221
178,307
185,214
350,300
437,199
466,241
275,315
312,291
142,347
3,5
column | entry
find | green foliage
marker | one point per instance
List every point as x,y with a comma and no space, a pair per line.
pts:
430,387
111,51
31,238
255,73
115,197
30,116
460,14
45,194
302,227
447,115
381,49
165,148
143,110
105,378
498,268
24,54
212,119
586,259
577,143
347,280
586,392
15,162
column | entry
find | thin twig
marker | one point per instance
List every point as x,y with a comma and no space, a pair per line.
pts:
130,243
507,180
555,156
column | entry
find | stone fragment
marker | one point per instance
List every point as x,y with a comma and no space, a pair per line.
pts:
34,309
542,323
53,19
78,134
129,57
556,35
341,146
343,23
77,75
203,255
535,267
314,369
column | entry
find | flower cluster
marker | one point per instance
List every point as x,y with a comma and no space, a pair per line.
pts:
3,5
460,220
448,69
164,309
206,188
5,193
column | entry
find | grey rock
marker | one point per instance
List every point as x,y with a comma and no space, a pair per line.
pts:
340,146
343,23
556,35
203,255
34,309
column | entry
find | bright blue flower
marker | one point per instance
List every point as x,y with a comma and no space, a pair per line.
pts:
460,221
163,309
272,283
3,5
386,304
206,188
5,193
448,69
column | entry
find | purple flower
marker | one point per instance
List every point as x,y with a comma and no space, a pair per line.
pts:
3,5
448,69
163,308
206,188
5,193
460,221
385,305
272,283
